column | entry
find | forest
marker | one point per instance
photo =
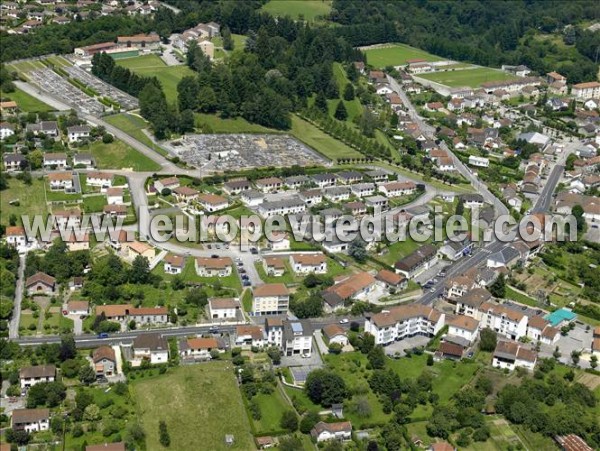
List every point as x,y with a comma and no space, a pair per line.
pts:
489,33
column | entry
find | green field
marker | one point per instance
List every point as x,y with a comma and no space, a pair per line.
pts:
353,107
320,141
117,155
210,123
133,126
271,407
468,77
26,102
397,55
153,66
199,403
31,200
307,9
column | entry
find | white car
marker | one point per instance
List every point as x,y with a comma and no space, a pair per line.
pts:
344,321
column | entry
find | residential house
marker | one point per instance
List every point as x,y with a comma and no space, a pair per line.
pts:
503,320
65,219
114,196
395,189
212,202
349,177
472,200
270,299
269,184
249,335
14,162
252,198
587,90
404,321
455,250
391,280
363,189
173,264
78,132
149,315
274,266
355,286
377,175
457,286
279,241
55,160
470,302
46,128
297,338
308,263
6,130
197,348
223,308
114,312
77,308
236,186
61,181
151,347
136,248
185,194
510,354
274,330
40,284
322,431
480,162
324,180
377,201
32,375
214,267
290,206
337,193
30,420
169,183
463,327
334,333
356,208
139,41
538,329
16,237
78,242
296,181
504,258
418,261
105,361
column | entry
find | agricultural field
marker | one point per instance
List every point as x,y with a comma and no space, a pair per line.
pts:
199,403
153,66
397,55
308,10
468,77
26,103
117,155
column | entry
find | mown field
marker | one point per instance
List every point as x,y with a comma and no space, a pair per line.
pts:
320,141
397,55
468,77
153,66
117,155
25,102
199,403
307,9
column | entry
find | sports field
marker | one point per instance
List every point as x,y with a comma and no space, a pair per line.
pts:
153,66
468,77
199,403
397,55
309,9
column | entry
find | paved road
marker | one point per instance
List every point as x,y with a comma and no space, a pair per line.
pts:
13,331
429,131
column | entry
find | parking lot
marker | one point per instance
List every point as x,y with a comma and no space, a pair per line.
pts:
398,347
237,151
54,84
125,100
578,339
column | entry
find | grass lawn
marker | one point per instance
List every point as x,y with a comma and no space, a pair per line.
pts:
59,61
211,123
516,296
469,77
199,403
154,66
25,321
132,125
117,155
307,9
320,141
398,250
94,204
353,107
397,55
288,276
501,436
26,102
271,408
31,200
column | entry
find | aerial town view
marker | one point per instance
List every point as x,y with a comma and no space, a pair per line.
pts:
296,225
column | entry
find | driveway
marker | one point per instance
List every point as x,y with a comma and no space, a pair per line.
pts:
398,347
13,331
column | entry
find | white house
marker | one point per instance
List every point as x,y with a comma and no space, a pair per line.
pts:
307,263
462,326
55,160
363,189
32,375
404,321
335,334
197,348
322,432
78,132
223,308
173,264
16,236
149,315
103,180
211,267
249,335
213,202
274,330
6,130
288,206
297,338
114,196
30,420
538,329
153,347
78,308
510,354
394,189
505,321
280,241
588,90
13,161
61,181
481,162
170,183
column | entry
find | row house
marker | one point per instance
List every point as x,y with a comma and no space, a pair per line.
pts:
324,180
289,206
587,90
510,355
418,261
395,189
363,189
114,196
349,177
269,184
404,321
252,198
312,196
308,263
236,186
356,208
214,267
337,193
296,181
274,266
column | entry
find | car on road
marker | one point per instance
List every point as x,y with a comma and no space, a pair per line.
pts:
103,335
214,256
214,330
344,321
253,250
246,283
242,271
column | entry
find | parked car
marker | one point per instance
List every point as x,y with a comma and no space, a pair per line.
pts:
344,321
